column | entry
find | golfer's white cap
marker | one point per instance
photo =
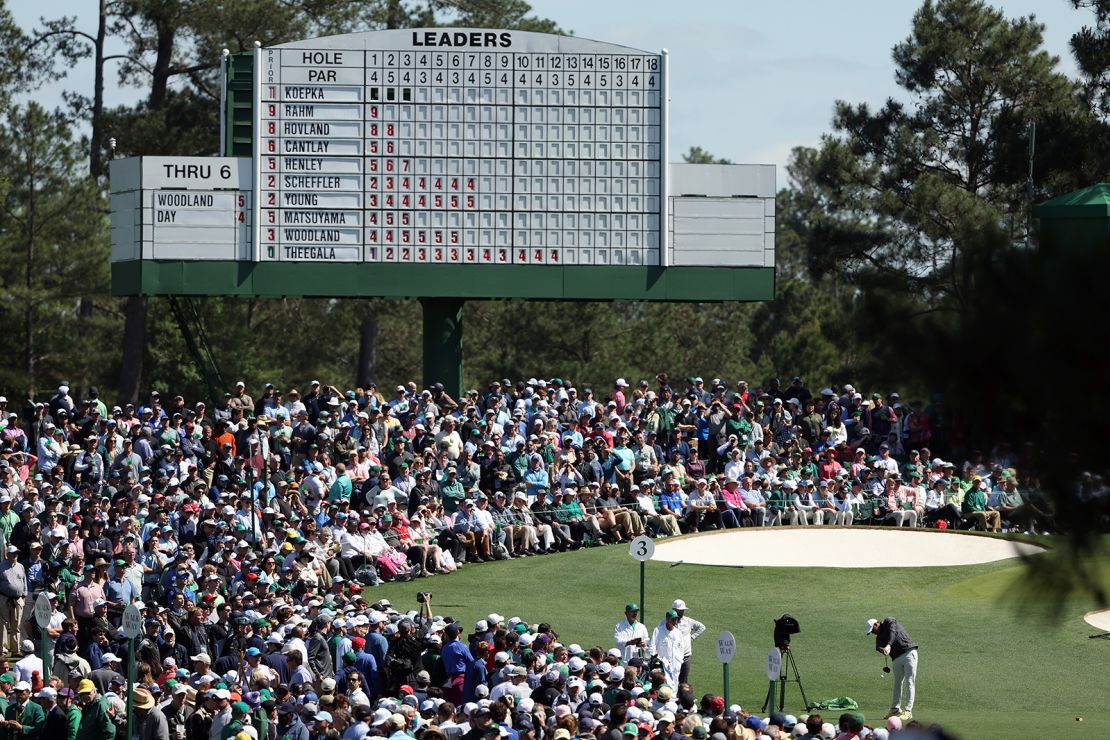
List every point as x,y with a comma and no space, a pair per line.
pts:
678,604
871,625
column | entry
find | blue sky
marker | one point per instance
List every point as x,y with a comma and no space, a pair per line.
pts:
749,80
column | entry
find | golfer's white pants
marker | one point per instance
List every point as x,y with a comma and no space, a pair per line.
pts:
905,672
844,517
773,518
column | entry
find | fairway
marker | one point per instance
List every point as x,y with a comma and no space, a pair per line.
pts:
991,665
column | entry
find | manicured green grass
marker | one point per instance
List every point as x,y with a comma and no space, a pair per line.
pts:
992,664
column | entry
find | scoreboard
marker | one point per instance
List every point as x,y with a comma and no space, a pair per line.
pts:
460,146
439,163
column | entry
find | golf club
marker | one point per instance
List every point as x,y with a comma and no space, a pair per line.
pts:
886,668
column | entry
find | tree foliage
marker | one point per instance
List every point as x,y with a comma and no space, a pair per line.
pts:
53,242
697,155
907,184
1091,48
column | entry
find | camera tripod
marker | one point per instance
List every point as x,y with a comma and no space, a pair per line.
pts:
784,678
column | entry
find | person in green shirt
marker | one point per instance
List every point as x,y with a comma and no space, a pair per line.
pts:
73,714
625,461
778,503
518,461
452,490
954,494
8,519
239,712
568,512
95,723
1012,505
23,718
975,507
343,487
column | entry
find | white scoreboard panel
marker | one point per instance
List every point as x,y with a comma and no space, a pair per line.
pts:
182,208
460,146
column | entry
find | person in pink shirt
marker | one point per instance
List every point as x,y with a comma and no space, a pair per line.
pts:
733,499
828,468
618,394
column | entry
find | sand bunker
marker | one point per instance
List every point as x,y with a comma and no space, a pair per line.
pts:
1099,619
828,547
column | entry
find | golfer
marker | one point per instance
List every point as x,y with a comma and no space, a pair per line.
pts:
891,639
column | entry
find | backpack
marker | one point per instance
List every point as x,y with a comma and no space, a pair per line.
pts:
367,575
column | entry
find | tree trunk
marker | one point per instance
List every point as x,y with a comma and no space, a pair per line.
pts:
367,350
163,56
134,327
134,341
29,277
96,146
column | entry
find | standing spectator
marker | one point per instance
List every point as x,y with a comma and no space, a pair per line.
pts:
693,629
13,594
23,718
670,644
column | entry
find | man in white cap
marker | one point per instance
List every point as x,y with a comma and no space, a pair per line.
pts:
13,593
55,724
23,718
891,639
693,629
27,665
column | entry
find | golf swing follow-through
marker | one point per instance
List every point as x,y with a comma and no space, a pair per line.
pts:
896,644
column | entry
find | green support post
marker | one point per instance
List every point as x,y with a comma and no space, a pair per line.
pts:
643,613
131,688
727,703
44,648
443,345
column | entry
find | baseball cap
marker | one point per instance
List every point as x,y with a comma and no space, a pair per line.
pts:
871,625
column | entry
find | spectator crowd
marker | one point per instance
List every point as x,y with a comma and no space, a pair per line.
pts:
248,532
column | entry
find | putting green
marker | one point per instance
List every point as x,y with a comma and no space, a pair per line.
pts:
992,663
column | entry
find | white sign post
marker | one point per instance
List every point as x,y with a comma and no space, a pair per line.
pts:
132,622
774,664
44,610
726,651
726,647
642,549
